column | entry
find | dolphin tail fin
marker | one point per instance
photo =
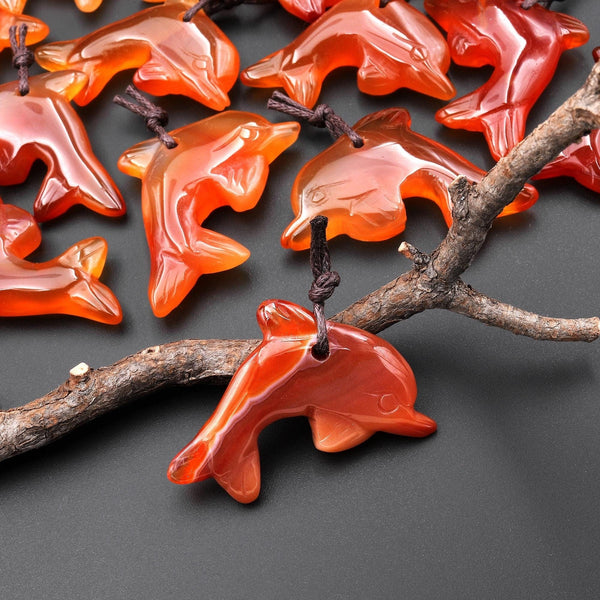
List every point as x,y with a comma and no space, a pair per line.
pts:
174,274
95,191
504,129
239,477
88,297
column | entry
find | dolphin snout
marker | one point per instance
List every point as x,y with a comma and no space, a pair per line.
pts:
280,137
297,234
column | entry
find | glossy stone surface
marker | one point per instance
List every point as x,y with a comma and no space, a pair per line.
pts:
523,47
362,190
88,5
220,161
307,10
65,285
393,47
11,14
171,56
43,125
362,387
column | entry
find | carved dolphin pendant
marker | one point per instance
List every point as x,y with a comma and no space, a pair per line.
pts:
219,161
363,386
523,47
11,14
171,56
393,47
65,285
361,190
43,125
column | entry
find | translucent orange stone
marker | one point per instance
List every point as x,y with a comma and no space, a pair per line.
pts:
171,56
362,387
43,125
393,47
88,5
307,10
362,190
523,47
65,285
11,14
220,161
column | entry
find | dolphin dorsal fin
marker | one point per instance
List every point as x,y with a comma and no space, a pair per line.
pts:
388,118
136,159
66,83
280,318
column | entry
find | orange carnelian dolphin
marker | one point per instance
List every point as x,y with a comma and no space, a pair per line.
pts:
43,125
523,46
65,285
11,14
393,47
361,190
363,386
171,56
220,161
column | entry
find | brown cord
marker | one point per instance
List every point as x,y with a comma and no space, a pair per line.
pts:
22,57
155,117
324,283
321,116
212,7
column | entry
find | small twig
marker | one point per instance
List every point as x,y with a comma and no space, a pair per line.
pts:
212,7
155,117
324,283
321,116
22,56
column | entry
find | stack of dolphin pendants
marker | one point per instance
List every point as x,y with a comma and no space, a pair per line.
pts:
224,160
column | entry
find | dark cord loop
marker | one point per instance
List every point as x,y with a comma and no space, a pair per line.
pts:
22,56
155,117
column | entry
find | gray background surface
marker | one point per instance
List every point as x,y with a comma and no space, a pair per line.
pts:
502,502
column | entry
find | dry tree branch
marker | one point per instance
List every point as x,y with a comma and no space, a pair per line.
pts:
433,282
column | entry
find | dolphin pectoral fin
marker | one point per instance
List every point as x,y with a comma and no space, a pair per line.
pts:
302,83
88,255
265,73
66,83
55,56
333,432
242,479
19,232
242,180
526,198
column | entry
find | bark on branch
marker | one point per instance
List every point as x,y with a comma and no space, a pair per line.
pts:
433,282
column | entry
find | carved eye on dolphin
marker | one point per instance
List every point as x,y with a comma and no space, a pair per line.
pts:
43,125
393,47
220,161
523,46
171,56
362,190
65,285
11,14
362,387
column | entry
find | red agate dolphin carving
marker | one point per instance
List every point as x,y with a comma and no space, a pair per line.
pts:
171,56
43,125
523,46
363,386
392,47
11,14
361,190
65,285
220,161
